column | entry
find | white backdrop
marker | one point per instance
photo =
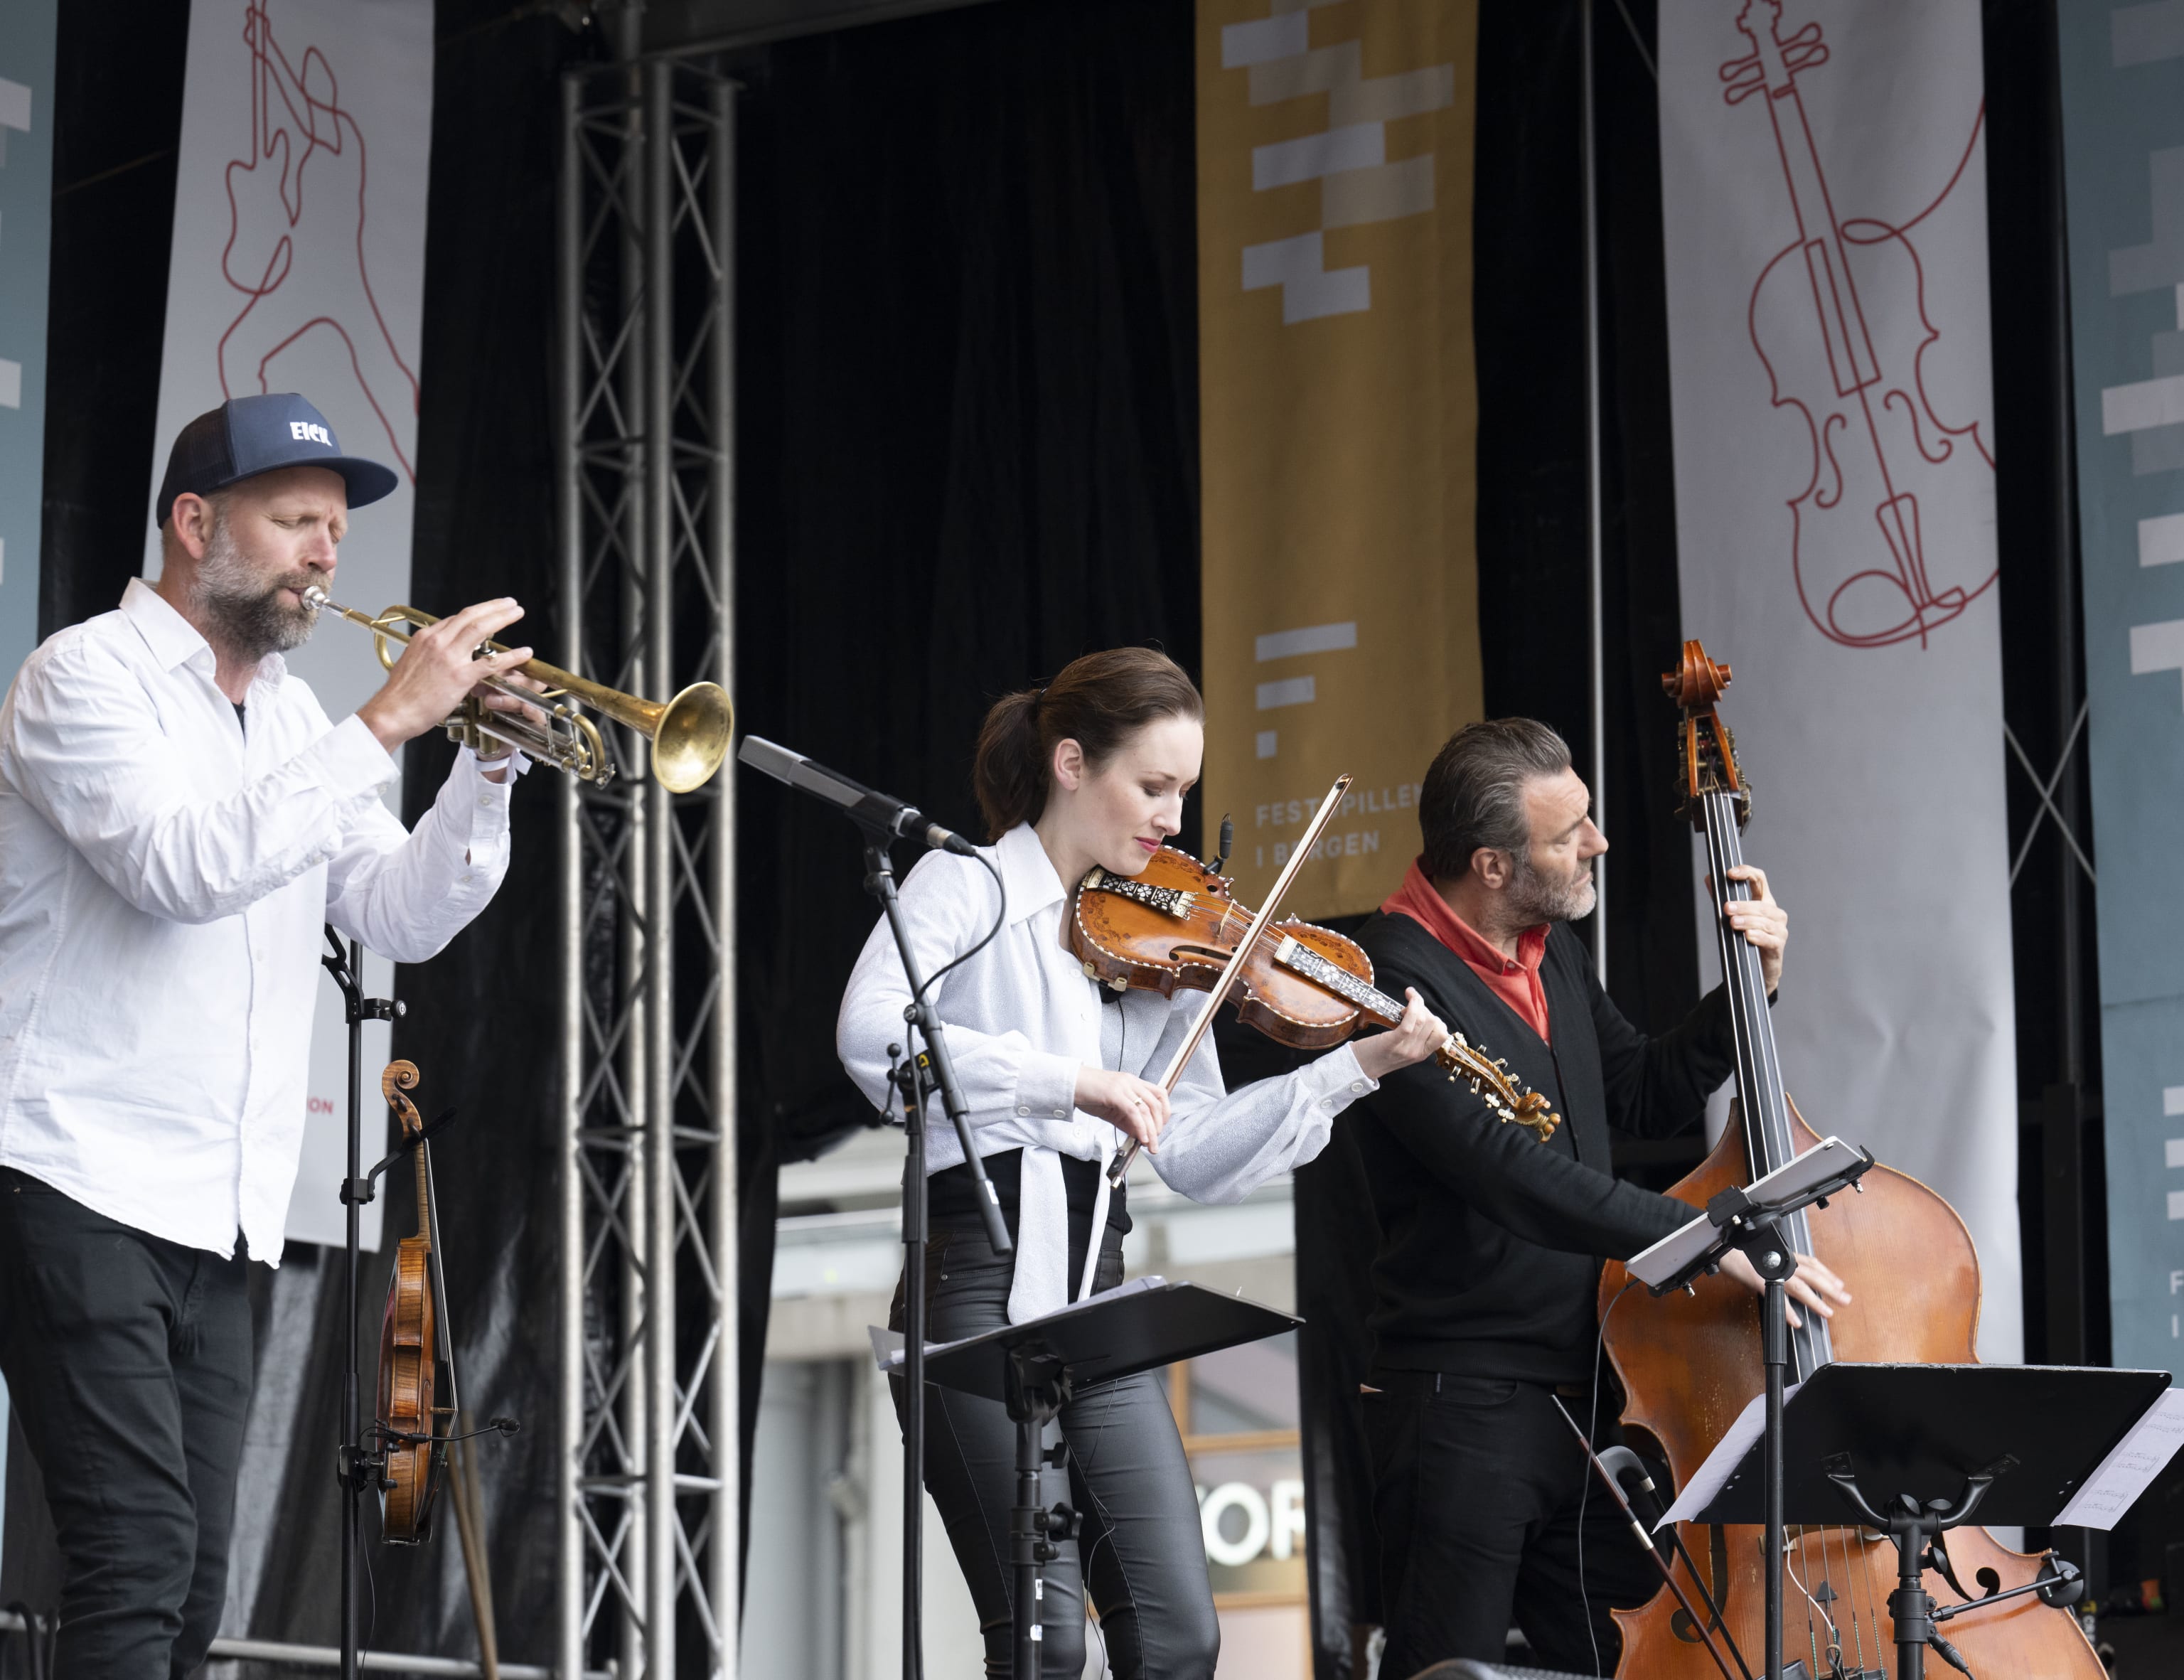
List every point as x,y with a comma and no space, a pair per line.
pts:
1824,187
298,265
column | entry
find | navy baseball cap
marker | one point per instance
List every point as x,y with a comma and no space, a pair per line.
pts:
246,436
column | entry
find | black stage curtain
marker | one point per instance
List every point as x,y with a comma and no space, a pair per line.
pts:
969,437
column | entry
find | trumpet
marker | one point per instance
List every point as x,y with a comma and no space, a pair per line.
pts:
689,734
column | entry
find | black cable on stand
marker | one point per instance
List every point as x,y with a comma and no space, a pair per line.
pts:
883,820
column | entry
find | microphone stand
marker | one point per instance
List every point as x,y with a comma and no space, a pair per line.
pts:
358,1466
915,1078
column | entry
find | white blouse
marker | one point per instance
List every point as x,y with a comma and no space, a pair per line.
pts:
1022,1016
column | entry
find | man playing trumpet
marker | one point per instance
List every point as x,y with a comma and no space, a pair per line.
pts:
177,817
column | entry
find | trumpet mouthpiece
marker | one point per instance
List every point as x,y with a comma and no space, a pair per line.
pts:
315,597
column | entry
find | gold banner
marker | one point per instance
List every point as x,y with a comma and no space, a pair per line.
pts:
1338,414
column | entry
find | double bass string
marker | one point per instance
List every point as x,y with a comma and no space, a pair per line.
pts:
1767,1122
1853,1569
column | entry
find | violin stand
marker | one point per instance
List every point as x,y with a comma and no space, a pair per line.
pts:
1035,1368
1912,1451
358,1468
1748,1220
915,1078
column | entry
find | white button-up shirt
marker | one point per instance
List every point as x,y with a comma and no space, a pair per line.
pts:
162,878
1022,1018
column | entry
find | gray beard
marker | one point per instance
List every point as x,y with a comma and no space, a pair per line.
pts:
245,615
1533,899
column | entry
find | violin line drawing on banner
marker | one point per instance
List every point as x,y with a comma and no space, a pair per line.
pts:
296,241
1840,320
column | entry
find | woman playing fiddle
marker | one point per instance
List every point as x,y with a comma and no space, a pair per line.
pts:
1091,770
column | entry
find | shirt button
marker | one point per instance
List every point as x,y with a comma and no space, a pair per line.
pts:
1061,1113
485,801
1357,1085
1025,1110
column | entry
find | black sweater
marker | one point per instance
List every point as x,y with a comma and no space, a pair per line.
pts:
1491,1240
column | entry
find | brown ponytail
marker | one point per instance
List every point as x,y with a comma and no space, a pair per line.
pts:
1098,701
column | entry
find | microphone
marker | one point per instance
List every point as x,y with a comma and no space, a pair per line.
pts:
875,812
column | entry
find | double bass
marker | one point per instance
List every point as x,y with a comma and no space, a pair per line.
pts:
1689,1363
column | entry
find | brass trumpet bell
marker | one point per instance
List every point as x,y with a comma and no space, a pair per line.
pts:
690,734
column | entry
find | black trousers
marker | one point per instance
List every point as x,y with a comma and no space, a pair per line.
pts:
1142,1555
128,1358
1477,1486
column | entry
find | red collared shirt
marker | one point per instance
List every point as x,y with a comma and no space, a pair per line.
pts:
1515,981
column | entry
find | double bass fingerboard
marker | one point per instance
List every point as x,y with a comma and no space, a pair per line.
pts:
1767,1140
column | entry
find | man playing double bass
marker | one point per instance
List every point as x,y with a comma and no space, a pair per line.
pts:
1492,1239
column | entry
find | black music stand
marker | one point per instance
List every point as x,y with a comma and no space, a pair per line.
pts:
1748,1220
1914,1450
1035,1368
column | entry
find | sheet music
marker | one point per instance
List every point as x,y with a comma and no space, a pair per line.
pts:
2125,1473
1793,1178
1728,1452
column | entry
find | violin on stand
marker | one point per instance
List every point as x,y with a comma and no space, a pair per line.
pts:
1690,1362
421,1443
415,1449
413,1331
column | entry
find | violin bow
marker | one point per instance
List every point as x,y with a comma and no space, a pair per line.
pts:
1218,993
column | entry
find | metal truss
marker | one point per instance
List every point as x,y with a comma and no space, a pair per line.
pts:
649,1461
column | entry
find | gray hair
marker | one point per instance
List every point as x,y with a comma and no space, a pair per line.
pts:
1474,796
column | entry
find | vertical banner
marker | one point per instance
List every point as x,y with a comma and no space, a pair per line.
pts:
1337,416
2122,154
26,218
1824,187
27,30
298,265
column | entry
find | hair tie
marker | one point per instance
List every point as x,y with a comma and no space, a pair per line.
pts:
1038,695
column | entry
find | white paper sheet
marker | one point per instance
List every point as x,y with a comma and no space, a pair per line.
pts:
2129,1469
1728,1452
1683,1246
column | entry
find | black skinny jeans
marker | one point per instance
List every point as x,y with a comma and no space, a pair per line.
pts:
128,1360
1141,1555
1478,1486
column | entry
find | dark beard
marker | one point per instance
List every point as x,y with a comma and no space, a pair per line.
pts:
1533,899
247,616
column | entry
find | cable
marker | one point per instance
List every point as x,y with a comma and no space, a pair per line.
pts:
1000,918
1585,1489
1638,41
370,1584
